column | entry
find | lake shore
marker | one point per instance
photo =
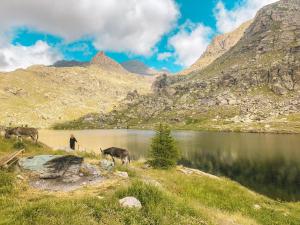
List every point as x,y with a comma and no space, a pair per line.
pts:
167,197
273,127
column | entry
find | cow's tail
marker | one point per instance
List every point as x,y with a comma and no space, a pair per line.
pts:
37,137
129,158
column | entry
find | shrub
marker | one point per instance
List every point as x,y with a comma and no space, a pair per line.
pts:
164,153
19,145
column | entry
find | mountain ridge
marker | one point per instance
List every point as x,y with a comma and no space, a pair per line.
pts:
252,87
219,45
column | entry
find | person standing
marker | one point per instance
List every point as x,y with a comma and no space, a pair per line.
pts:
72,142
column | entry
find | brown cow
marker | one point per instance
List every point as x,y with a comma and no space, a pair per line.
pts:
23,132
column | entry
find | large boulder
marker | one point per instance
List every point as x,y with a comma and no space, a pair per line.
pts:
130,202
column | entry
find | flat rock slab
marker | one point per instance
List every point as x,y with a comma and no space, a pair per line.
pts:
52,166
60,172
189,171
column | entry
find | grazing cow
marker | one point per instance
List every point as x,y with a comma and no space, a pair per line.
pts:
123,154
23,132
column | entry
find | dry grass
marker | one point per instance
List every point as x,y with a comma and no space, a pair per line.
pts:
41,96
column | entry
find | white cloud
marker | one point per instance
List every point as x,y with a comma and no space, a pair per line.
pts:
164,56
190,42
228,20
131,26
16,56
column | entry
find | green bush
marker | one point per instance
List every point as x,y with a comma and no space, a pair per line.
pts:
164,153
19,145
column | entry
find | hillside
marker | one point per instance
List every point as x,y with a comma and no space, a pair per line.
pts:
220,44
176,196
135,66
253,87
41,96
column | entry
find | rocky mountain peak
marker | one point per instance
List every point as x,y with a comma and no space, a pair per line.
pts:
107,63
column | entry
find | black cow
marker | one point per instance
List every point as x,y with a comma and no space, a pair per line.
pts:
123,154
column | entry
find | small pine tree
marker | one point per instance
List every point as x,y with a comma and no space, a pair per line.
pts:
164,153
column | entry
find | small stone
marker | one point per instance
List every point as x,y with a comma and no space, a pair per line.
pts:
122,174
257,207
107,165
20,177
130,202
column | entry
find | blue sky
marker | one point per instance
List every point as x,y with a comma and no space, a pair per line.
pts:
164,34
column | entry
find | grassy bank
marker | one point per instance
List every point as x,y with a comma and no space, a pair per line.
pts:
167,197
198,122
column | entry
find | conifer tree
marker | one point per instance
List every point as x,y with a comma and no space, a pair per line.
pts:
164,153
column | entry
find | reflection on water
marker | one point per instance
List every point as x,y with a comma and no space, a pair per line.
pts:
268,163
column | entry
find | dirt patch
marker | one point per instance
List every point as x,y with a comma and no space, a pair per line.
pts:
59,185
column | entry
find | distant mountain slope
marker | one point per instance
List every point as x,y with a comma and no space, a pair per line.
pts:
135,66
254,86
220,44
41,96
72,63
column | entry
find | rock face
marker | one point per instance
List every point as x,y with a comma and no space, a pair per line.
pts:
252,85
220,44
106,63
130,202
138,67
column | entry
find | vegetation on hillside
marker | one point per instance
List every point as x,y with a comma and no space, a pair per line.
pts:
63,94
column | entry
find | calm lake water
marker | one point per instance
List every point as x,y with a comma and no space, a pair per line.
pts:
267,163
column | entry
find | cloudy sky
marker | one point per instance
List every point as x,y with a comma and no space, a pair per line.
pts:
165,34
